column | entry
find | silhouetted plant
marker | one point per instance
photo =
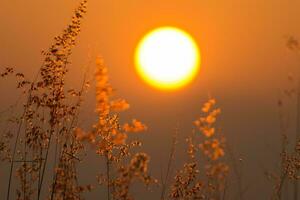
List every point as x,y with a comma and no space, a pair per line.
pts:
188,182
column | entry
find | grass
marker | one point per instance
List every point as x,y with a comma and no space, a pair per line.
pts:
47,129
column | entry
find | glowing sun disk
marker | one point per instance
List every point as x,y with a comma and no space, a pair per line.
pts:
167,58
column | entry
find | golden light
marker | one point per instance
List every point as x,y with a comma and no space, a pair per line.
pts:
167,58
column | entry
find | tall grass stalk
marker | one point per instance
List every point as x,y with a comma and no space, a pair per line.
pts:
296,187
169,166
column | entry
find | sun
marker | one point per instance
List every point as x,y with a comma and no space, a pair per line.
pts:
167,58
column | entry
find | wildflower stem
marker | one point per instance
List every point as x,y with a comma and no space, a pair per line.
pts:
54,173
44,166
13,158
297,135
171,158
237,170
108,176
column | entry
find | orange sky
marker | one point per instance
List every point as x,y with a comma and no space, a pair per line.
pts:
244,62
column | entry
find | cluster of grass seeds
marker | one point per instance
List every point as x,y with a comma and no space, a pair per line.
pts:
48,118
189,183
110,139
289,174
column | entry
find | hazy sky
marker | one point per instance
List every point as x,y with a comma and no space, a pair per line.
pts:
244,64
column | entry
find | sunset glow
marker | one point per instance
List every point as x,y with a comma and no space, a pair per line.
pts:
150,100
167,58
